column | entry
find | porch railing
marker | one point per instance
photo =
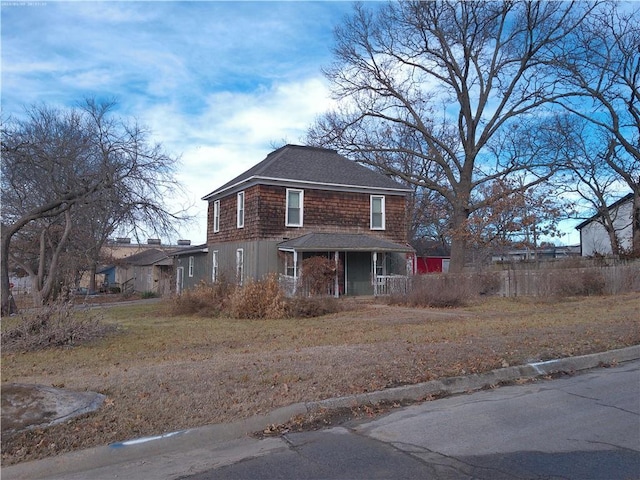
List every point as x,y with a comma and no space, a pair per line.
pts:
298,286
382,285
390,285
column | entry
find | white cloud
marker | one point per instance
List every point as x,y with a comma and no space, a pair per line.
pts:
218,83
233,132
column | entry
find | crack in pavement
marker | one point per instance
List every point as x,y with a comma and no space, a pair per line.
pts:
601,404
437,459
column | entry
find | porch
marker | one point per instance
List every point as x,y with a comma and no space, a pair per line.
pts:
355,264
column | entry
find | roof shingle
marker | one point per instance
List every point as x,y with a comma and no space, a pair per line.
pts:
297,163
343,242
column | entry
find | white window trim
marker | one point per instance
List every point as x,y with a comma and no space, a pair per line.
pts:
240,209
239,265
216,216
371,212
286,220
191,266
214,266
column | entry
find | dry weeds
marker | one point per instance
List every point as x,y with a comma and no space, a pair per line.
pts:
165,373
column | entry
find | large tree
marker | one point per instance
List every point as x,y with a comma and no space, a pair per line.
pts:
79,173
601,68
462,80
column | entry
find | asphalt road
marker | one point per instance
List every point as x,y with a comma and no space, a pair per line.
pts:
580,427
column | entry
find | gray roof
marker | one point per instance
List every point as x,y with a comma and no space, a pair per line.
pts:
191,250
152,256
352,242
312,165
614,205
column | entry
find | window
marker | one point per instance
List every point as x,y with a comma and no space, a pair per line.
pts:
295,199
216,216
377,212
214,266
239,265
191,262
240,210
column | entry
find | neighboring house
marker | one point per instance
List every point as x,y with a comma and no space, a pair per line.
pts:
431,256
301,202
150,270
119,273
507,255
191,267
594,239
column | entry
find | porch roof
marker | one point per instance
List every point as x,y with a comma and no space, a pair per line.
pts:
344,242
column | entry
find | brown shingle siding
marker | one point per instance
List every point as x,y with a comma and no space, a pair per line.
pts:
324,211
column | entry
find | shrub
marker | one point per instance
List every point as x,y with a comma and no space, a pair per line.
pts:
441,290
148,294
319,274
206,299
259,299
307,307
54,325
487,283
578,282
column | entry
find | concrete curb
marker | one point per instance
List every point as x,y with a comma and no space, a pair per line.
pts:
211,436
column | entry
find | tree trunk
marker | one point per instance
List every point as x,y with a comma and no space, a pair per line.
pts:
8,302
458,254
459,242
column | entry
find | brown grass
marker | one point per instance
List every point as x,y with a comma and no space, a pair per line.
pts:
164,373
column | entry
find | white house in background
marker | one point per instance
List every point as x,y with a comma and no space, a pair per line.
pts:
594,239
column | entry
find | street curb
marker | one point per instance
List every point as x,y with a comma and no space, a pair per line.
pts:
211,435
474,382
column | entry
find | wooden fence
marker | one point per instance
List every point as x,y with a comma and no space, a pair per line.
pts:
556,279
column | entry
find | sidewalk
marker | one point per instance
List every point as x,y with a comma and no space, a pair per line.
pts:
190,451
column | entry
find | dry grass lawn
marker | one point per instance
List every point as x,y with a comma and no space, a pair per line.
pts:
164,373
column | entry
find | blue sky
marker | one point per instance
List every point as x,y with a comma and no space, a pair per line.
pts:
218,83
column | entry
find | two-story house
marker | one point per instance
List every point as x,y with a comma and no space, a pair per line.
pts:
304,201
594,236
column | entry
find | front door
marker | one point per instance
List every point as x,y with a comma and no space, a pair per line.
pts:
358,273
179,279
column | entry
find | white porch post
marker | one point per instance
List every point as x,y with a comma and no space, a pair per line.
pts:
295,271
336,284
375,273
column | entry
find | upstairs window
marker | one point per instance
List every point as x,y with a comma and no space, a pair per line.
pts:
216,216
240,209
295,201
377,212
191,264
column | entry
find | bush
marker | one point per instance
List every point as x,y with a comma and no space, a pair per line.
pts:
255,300
148,294
54,325
439,291
487,283
206,299
319,274
307,307
578,282
259,299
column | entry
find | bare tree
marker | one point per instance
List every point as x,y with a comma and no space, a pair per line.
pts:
60,168
459,78
601,68
586,152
